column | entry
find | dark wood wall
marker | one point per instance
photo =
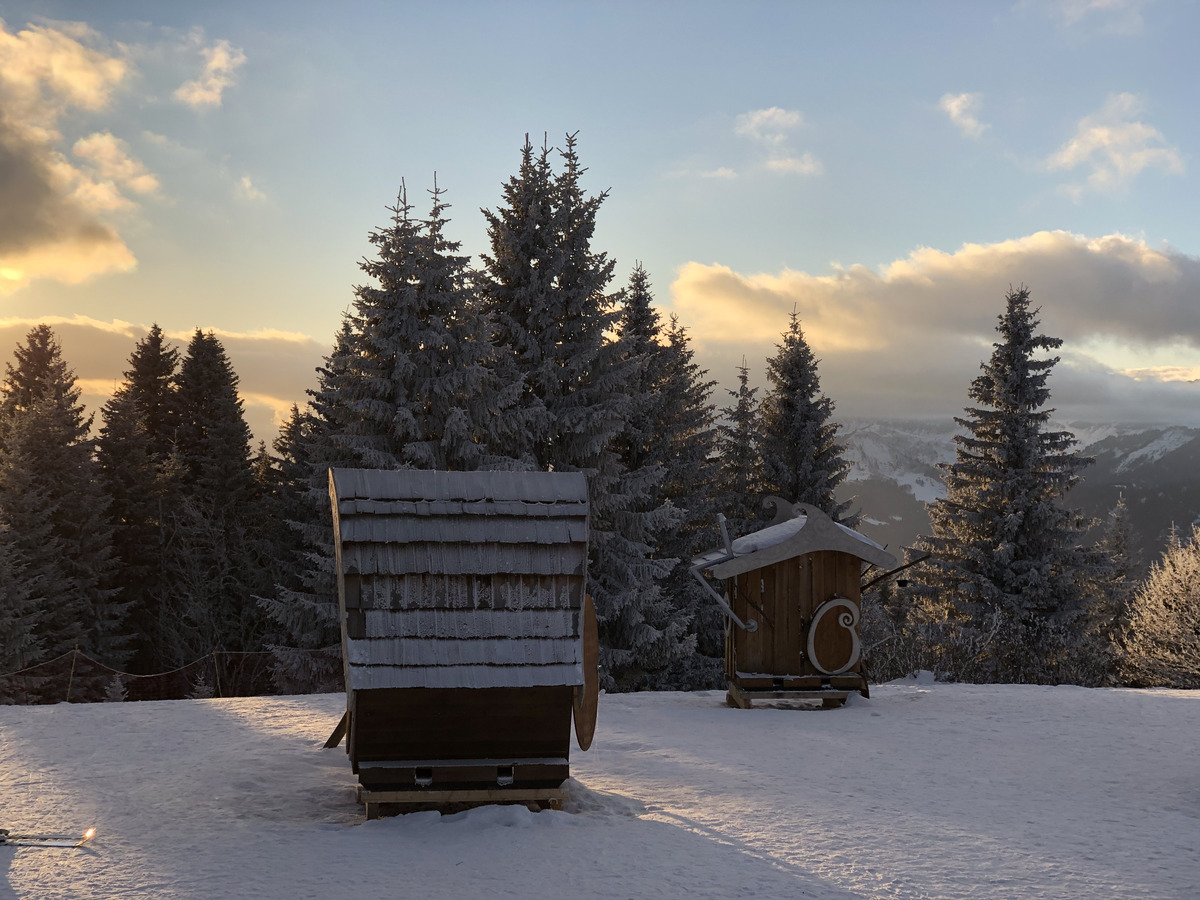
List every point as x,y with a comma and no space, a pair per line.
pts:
446,724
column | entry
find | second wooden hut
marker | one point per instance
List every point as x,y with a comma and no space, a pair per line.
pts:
792,597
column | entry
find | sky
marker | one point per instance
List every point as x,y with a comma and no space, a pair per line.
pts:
886,171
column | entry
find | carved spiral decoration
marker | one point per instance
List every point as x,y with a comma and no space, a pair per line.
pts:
848,619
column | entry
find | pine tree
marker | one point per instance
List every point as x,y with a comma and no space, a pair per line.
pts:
518,295
304,606
739,476
545,291
648,518
52,507
150,384
132,484
138,469
1109,596
688,438
217,562
801,459
420,389
1162,644
413,381
40,373
19,642
1008,570
213,439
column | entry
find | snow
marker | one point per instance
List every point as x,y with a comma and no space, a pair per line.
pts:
783,531
1170,441
906,453
925,790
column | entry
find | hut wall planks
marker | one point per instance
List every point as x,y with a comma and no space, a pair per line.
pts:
782,598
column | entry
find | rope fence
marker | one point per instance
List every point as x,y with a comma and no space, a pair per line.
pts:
74,677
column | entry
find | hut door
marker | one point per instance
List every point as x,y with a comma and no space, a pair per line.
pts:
832,618
776,597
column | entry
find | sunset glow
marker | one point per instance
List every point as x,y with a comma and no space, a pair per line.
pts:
201,169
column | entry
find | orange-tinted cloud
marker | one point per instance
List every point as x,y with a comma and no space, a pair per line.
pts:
51,223
907,339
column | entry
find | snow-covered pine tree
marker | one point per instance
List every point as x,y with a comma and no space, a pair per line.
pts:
739,476
1162,644
305,608
801,459
517,290
304,605
421,390
1008,571
650,519
688,437
53,508
544,289
412,381
216,563
1109,596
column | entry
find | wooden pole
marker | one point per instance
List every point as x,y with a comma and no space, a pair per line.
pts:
71,677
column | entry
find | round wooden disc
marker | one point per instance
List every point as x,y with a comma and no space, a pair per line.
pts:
587,695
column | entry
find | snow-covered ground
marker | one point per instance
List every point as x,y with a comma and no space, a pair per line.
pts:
926,790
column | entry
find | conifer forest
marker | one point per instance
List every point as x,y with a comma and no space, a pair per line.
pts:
156,533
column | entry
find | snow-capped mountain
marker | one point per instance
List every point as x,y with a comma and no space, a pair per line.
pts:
1156,468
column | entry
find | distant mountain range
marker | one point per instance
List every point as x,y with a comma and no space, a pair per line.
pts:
1157,469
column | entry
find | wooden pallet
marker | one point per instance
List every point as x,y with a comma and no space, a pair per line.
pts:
743,698
385,803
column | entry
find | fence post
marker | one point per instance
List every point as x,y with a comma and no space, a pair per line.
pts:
71,677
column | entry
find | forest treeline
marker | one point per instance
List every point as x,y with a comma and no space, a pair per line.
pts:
163,534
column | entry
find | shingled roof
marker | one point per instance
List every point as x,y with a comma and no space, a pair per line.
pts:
802,529
460,579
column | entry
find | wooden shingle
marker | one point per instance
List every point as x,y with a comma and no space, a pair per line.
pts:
460,579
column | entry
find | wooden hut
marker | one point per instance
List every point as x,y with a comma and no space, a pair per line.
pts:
792,595
464,617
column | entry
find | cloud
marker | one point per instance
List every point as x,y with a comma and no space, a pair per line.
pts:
963,110
45,71
112,161
770,128
51,223
247,191
1106,16
798,165
722,172
1116,147
907,339
116,326
221,62
263,334
1164,373
274,367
